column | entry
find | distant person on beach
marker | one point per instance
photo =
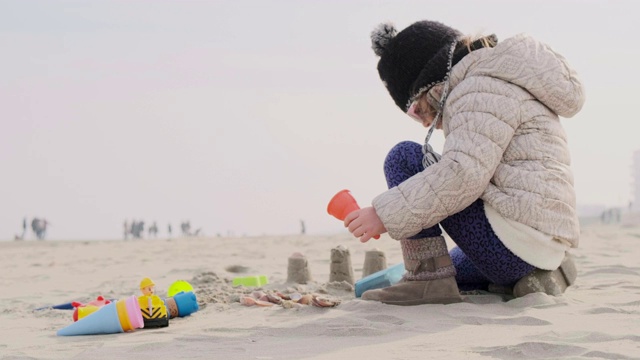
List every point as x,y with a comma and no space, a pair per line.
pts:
185,226
126,230
39,227
35,226
24,228
153,230
132,228
502,188
140,229
169,229
137,229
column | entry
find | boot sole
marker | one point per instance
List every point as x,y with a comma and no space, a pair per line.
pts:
445,291
551,282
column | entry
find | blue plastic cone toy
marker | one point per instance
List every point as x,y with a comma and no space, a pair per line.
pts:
103,321
116,317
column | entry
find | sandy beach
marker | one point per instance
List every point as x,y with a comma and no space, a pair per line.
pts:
598,318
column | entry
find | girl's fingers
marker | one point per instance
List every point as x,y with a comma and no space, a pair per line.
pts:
349,218
353,226
364,238
358,232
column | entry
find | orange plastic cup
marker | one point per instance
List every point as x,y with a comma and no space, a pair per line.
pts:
342,204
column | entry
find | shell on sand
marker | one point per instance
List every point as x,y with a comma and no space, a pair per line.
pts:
249,301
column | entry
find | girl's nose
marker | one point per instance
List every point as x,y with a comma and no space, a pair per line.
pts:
412,112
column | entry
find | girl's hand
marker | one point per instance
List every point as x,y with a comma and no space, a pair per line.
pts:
364,224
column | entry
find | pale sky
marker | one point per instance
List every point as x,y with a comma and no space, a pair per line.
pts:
247,116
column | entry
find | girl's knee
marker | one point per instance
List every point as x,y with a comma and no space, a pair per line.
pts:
404,150
406,146
403,161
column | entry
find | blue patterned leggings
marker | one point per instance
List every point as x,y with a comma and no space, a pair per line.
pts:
480,257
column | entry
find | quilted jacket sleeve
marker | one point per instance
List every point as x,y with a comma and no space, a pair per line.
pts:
482,118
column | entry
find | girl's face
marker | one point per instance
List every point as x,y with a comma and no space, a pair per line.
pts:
422,112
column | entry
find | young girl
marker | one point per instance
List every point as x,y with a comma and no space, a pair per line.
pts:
502,189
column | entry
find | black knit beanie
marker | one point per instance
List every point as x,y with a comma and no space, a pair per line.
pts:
416,58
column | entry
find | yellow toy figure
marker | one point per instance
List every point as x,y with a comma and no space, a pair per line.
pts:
154,311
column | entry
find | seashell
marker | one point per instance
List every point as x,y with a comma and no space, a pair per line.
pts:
247,301
290,304
264,303
271,297
306,299
323,301
250,301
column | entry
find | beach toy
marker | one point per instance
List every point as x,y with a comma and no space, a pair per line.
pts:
380,279
64,306
154,311
179,286
182,304
255,281
152,308
342,204
115,317
81,310
147,286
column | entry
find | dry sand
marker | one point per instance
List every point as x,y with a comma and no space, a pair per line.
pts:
599,317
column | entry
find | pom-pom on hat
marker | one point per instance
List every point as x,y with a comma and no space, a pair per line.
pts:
413,59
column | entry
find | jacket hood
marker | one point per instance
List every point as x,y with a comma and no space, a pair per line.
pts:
532,65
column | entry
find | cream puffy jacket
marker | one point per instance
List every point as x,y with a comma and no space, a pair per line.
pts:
503,143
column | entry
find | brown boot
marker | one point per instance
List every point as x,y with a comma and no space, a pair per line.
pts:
430,277
551,282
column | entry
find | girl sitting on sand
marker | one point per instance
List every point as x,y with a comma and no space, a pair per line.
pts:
502,189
